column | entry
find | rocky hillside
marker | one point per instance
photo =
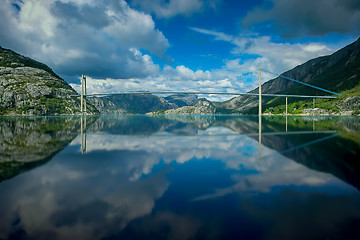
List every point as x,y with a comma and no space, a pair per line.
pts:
339,72
201,106
132,103
105,106
182,100
28,87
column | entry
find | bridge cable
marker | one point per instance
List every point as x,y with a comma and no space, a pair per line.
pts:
306,84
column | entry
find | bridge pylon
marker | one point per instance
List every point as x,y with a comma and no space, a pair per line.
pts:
83,97
260,110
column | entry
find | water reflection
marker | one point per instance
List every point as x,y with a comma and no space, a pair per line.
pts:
27,142
184,177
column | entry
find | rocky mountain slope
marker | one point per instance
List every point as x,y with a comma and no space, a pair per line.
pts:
105,106
182,100
141,103
132,103
201,106
28,87
338,72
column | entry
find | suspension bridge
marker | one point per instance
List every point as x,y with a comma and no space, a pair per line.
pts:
84,94
259,94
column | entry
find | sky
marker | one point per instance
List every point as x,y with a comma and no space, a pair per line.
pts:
175,45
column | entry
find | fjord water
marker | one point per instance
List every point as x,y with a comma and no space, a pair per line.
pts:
180,177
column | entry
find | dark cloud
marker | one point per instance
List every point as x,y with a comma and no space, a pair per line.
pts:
352,5
292,18
172,8
94,16
164,9
102,39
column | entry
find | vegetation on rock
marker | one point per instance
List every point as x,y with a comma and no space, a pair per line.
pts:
339,72
28,87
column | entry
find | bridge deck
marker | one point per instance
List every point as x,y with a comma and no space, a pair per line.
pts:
207,93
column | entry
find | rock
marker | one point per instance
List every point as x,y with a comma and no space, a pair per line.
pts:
28,87
201,106
182,100
133,103
104,105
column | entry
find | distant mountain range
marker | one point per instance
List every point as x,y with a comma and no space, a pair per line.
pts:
141,103
28,87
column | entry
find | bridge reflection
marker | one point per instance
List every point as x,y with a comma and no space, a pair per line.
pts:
259,134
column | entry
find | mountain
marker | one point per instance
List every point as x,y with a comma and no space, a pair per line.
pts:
133,103
105,106
141,103
201,106
28,87
338,72
182,100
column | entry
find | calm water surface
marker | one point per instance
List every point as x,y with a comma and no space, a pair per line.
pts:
179,177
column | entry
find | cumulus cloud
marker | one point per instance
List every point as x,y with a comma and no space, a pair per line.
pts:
100,38
179,78
168,9
293,18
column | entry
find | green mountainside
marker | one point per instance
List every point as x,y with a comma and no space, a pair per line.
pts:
339,72
12,59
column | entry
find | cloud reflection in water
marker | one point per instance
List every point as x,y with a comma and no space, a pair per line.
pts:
177,181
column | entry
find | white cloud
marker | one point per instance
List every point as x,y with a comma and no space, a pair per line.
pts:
179,78
100,38
270,55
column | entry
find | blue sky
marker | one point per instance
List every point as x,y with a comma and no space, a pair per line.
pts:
190,45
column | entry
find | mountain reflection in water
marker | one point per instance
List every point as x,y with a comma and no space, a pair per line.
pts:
179,177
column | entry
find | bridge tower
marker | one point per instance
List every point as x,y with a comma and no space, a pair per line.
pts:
83,97
260,110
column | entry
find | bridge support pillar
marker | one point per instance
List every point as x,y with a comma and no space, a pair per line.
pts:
83,97
85,94
82,94
260,102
